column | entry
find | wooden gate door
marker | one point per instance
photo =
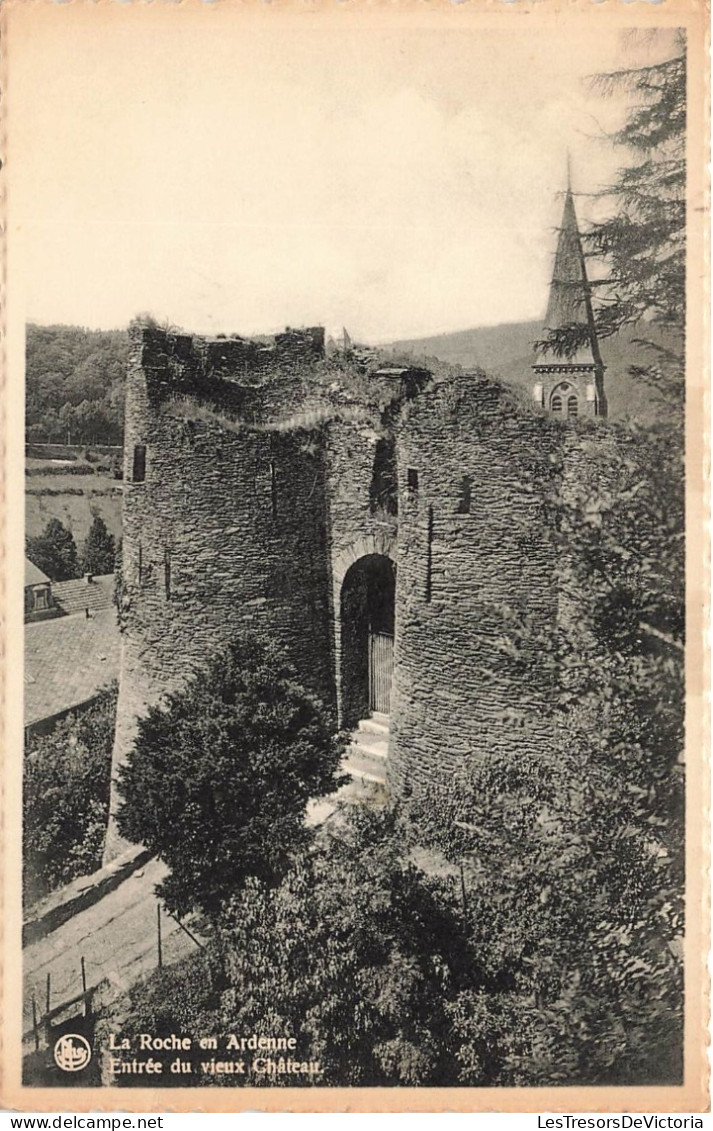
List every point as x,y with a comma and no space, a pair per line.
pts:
381,669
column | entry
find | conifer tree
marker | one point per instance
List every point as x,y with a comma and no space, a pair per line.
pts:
220,774
99,550
54,552
642,242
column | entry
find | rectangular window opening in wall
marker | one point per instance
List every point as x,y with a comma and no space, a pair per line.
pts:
466,485
412,480
139,469
429,557
273,488
141,565
167,572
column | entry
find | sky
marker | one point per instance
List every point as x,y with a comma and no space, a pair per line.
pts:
231,169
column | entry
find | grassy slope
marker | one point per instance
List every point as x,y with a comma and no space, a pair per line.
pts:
75,500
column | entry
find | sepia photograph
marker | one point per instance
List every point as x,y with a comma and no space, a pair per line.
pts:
355,466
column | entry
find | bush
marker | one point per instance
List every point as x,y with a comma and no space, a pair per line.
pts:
66,798
55,551
571,904
353,954
510,930
220,774
177,999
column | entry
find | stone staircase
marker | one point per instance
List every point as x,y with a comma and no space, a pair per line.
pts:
368,750
365,762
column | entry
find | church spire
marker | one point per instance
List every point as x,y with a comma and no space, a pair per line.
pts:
581,375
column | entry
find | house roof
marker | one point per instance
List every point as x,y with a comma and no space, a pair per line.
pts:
569,299
67,661
33,575
77,595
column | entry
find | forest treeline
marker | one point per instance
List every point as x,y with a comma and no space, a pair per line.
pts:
75,384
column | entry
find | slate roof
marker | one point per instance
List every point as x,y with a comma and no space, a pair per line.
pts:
77,595
569,299
67,661
34,575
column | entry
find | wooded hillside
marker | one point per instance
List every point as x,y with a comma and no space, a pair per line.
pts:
506,351
75,384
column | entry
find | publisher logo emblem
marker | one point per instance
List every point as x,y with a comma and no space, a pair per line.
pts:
72,1052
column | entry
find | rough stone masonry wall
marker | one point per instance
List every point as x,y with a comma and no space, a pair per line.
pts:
226,534
466,581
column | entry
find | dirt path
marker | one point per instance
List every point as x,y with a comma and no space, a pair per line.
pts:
118,938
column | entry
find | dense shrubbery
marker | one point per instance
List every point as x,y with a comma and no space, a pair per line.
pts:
351,953
526,951
356,953
66,798
220,774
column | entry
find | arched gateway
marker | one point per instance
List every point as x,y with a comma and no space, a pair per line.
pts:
367,638
365,598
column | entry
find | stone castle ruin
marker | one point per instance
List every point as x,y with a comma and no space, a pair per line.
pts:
386,528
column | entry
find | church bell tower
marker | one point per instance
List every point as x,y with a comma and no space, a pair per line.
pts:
570,386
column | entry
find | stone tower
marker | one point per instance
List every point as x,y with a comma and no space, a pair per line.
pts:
570,386
389,549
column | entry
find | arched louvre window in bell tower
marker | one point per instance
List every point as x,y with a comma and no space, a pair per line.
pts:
564,400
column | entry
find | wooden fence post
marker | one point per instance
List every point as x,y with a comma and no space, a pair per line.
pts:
158,925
